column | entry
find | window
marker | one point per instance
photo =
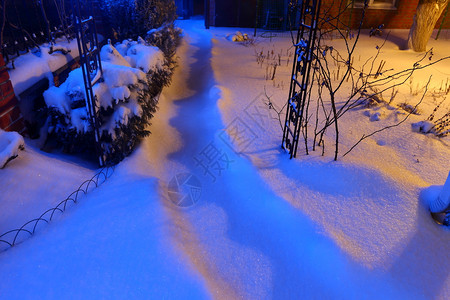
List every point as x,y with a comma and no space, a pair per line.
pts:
376,4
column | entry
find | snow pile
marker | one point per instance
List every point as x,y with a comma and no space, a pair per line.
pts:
133,75
10,144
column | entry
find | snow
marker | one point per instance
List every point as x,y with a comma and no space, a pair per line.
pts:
79,118
441,201
264,226
120,93
102,92
146,58
112,55
10,144
133,54
444,196
422,126
34,66
117,76
60,97
121,115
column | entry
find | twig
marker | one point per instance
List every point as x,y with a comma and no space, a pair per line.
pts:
391,126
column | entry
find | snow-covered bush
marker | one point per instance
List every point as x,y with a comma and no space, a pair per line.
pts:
134,74
167,38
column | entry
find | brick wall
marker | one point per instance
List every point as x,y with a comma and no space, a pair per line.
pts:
401,18
10,116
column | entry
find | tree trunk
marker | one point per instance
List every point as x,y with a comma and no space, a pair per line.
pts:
427,14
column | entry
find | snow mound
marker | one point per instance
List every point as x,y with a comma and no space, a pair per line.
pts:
10,144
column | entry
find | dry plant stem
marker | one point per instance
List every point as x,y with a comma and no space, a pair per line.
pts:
270,105
324,69
60,8
27,33
47,23
391,126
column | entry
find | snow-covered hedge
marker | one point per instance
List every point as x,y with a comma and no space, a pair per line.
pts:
134,74
167,38
133,18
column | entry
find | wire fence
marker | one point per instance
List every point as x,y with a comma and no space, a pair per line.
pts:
16,236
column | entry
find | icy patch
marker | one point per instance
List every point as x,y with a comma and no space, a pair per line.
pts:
10,144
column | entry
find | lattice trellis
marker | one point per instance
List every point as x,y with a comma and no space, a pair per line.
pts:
301,79
91,65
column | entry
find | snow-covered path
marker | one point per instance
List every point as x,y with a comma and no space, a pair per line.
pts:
240,239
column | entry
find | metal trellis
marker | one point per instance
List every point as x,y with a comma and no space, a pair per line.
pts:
301,80
91,66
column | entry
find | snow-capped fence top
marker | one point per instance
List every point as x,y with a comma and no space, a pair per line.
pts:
32,23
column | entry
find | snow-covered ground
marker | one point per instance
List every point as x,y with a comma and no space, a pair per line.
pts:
249,223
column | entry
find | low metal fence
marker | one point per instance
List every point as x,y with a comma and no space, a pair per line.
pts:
15,236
